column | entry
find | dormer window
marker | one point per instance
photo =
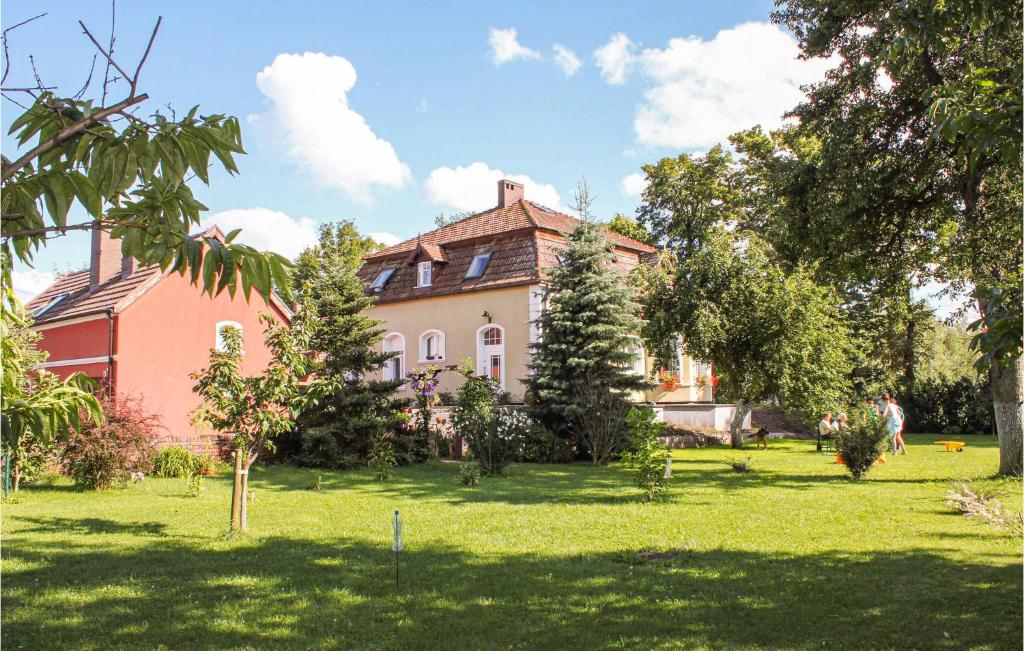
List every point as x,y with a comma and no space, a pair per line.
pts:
52,302
423,273
382,279
479,265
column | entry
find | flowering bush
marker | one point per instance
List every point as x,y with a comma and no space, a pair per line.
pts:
424,382
496,434
668,380
701,382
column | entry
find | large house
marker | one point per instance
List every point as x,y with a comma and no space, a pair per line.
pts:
141,332
474,288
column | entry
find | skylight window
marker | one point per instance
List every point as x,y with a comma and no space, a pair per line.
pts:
53,301
479,265
382,279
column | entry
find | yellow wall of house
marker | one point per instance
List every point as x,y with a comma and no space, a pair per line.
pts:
459,316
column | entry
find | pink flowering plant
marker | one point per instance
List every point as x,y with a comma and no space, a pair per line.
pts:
424,382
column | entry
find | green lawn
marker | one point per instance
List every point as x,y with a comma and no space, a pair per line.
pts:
793,555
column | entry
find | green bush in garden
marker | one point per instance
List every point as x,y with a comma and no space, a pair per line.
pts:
646,455
863,443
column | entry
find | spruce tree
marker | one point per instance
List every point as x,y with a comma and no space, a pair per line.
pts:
582,365
357,411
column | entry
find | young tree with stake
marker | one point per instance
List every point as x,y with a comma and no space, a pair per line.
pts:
255,409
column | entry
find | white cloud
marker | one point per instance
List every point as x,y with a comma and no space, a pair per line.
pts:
423,105
332,142
633,185
566,59
267,229
505,47
28,284
387,239
615,58
702,91
475,188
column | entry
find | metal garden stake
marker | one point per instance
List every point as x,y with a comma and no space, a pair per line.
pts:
398,544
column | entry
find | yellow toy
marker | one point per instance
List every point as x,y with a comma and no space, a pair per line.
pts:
952,446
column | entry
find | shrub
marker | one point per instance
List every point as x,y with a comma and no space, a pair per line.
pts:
470,473
382,458
495,433
862,444
742,466
950,408
542,446
173,461
601,423
99,456
646,455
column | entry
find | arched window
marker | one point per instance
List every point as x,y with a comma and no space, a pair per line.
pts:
394,368
490,353
431,346
219,334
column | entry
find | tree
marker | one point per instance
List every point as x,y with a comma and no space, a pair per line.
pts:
257,408
355,411
130,174
906,158
588,339
770,335
38,407
688,195
626,225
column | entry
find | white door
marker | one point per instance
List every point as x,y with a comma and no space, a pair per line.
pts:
490,358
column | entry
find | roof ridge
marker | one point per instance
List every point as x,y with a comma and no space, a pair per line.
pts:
530,217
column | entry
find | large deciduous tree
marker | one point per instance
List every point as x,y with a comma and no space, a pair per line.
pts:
905,160
771,335
355,411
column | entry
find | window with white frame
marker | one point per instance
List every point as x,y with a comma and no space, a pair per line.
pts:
219,343
394,368
490,353
423,273
432,346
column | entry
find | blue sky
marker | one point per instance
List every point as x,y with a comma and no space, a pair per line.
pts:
390,113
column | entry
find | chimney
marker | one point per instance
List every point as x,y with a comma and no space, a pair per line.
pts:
105,260
509,192
128,266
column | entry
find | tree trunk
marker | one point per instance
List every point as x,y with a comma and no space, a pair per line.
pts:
17,479
243,515
1007,394
236,489
736,428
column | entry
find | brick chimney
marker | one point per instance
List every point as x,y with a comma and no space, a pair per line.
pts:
105,260
128,266
509,192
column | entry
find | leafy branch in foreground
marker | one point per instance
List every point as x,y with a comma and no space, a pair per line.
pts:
131,177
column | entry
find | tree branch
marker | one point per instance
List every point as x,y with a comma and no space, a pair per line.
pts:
68,132
109,57
7,55
145,55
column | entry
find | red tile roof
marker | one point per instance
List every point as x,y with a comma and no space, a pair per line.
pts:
523,238
81,301
520,215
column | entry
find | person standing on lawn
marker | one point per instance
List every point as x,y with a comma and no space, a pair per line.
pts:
893,418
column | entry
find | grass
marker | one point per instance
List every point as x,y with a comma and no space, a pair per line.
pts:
790,555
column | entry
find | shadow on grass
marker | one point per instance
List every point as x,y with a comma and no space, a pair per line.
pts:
82,526
279,592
